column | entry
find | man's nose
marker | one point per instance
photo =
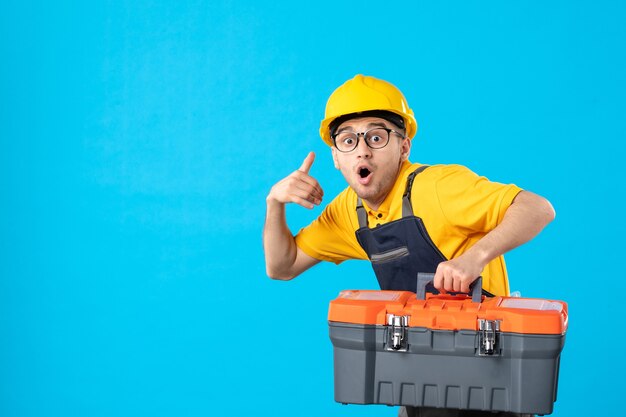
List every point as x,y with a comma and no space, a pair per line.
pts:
362,149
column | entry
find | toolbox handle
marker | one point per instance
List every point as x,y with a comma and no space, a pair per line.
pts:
424,278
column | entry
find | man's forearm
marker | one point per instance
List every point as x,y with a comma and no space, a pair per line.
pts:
283,259
523,220
278,243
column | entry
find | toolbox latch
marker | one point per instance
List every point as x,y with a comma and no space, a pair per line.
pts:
397,333
488,337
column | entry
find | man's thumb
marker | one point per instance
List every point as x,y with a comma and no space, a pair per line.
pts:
307,163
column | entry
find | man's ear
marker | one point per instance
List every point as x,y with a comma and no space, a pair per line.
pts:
334,152
405,149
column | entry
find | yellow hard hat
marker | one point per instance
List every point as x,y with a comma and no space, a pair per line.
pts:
362,94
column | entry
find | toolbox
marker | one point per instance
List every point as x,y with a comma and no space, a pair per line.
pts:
447,350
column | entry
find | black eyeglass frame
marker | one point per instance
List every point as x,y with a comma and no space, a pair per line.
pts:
389,132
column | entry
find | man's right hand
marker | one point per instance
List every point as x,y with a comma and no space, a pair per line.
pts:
283,258
299,187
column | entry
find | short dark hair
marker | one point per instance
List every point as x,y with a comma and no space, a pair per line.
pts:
391,117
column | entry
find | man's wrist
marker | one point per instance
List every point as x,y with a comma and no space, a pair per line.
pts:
273,205
479,255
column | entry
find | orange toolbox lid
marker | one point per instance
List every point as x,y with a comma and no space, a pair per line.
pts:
450,312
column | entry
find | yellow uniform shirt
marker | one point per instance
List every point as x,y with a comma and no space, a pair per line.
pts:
457,206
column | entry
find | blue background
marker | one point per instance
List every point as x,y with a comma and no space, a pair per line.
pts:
138,143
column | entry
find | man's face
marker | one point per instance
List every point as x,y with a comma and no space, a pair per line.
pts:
371,173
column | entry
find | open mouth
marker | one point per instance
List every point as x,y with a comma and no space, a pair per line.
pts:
364,175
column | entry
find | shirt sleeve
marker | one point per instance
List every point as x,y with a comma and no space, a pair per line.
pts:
331,236
473,202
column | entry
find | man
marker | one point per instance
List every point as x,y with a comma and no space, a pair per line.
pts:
405,218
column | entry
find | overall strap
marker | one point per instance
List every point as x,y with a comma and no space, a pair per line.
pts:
407,208
361,213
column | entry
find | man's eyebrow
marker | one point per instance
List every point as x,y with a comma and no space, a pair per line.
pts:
343,129
368,126
376,124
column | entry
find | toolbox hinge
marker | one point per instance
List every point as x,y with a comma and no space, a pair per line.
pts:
488,337
397,332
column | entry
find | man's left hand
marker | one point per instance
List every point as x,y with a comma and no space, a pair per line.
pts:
457,274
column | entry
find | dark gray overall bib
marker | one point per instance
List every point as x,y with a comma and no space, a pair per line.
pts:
399,250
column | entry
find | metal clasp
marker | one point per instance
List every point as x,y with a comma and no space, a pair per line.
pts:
488,337
396,332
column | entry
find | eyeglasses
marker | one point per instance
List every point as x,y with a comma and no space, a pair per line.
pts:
375,138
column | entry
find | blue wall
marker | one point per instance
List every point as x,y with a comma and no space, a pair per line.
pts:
138,143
